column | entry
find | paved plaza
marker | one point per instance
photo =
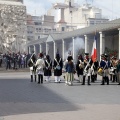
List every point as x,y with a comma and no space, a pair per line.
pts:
22,100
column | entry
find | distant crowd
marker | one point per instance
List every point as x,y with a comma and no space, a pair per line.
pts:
14,60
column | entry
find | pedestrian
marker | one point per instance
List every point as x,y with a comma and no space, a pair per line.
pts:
70,70
57,66
40,64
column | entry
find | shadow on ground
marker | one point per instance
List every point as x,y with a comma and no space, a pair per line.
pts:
18,96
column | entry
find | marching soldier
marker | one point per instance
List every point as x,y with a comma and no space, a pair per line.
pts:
105,65
58,65
118,72
40,68
87,68
113,68
31,64
79,68
48,68
94,69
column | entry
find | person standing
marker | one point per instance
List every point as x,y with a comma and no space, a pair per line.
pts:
31,64
94,69
105,65
70,70
87,68
79,68
48,68
39,68
118,72
57,65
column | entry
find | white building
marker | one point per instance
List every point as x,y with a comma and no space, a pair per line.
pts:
73,16
39,26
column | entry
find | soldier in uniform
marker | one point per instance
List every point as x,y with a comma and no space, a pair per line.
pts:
48,68
79,68
32,61
113,68
40,68
94,69
87,68
105,65
57,65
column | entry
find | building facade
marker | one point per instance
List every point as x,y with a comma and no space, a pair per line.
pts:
12,26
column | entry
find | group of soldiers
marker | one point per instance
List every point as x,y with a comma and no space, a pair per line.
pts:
14,60
85,68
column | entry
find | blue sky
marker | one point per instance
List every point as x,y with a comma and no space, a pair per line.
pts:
110,8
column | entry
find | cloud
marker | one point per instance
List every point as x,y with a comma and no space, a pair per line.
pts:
110,8
35,8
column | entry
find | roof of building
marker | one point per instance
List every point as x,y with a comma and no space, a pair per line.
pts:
115,24
42,40
110,25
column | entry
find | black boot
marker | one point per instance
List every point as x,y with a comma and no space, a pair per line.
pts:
35,78
31,78
41,79
89,80
107,80
83,80
92,78
38,79
96,77
113,78
103,81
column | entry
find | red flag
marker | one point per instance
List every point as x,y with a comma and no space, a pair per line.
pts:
94,51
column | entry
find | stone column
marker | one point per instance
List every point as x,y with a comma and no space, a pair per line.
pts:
63,48
119,43
34,49
86,44
55,48
73,40
102,43
47,48
29,50
40,45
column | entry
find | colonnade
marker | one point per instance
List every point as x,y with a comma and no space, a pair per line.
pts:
64,45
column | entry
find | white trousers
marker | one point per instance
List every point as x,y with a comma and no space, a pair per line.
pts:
48,78
57,78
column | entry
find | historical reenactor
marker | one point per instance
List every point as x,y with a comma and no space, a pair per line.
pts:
87,68
105,65
31,64
94,69
79,68
40,64
113,68
57,65
8,61
48,68
70,70
118,72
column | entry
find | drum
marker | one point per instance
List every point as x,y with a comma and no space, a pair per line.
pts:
100,71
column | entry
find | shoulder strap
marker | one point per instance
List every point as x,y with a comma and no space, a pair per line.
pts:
48,63
57,61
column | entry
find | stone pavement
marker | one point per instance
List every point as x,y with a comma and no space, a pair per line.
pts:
22,100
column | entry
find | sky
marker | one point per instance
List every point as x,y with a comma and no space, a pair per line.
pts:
110,8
